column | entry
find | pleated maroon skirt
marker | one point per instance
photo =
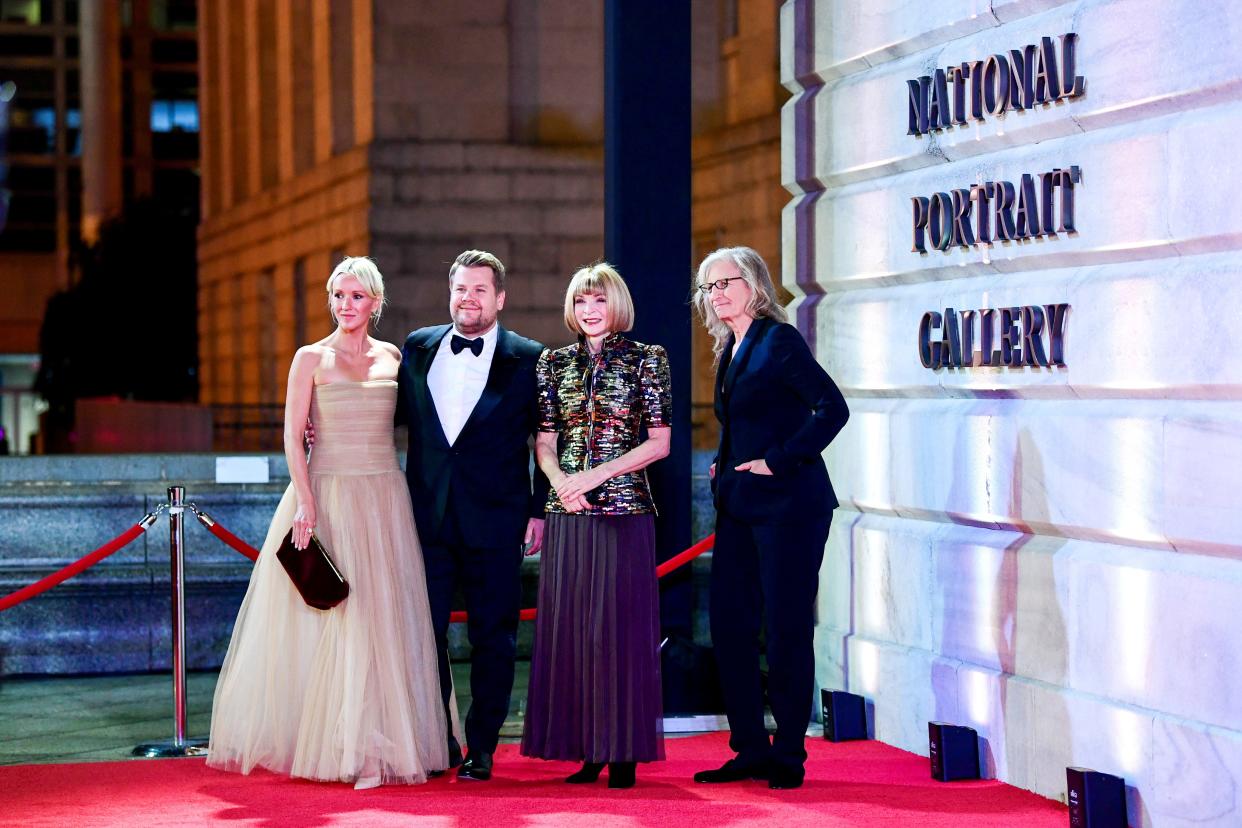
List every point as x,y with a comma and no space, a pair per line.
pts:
595,671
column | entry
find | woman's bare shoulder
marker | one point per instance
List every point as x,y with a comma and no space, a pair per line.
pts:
388,348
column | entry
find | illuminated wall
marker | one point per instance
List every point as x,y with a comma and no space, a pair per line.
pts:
1048,554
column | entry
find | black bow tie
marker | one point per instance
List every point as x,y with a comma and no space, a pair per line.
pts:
460,343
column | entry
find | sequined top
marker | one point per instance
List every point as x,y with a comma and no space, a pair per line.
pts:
597,404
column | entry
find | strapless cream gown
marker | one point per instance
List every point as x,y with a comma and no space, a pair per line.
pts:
349,694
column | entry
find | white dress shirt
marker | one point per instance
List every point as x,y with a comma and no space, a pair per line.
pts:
456,380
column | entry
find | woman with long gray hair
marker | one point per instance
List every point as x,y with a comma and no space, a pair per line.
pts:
778,411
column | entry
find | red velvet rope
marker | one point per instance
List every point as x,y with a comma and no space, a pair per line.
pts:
683,558
44,584
233,541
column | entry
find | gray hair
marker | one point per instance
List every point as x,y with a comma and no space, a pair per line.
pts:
763,301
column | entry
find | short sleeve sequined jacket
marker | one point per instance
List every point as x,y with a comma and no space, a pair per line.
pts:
597,404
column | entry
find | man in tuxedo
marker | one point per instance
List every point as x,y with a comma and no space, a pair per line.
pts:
468,393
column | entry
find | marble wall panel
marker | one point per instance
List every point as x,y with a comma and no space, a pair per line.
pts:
1121,324
1114,57
1001,602
1202,456
1071,729
850,37
1158,631
908,687
1092,469
1070,534
990,702
891,569
1196,776
862,232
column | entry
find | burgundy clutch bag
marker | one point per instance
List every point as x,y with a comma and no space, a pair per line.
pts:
316,578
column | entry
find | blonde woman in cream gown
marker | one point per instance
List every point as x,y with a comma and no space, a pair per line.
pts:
350,694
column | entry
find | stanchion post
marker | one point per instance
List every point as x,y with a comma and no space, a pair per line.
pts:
179,745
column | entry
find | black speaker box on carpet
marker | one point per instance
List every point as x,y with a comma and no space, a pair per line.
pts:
954,751
845,715
1096,800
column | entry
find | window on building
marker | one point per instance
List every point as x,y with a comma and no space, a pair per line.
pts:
167,116
31,12
26,45
174,15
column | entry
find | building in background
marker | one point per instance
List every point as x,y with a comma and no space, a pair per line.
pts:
124,74
407,130
736,185
404,129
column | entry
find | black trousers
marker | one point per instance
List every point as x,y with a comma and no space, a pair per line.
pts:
490,581
767,575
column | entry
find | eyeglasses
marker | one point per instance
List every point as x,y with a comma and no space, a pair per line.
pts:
719,284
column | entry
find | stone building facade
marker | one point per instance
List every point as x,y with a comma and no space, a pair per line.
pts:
325,132
407,130
98,114
1049,553
736,154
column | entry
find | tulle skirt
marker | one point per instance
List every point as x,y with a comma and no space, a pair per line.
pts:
350,694
595,672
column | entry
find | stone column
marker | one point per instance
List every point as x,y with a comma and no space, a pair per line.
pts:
321,39
102,193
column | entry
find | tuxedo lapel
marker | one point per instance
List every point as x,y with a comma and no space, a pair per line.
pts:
504,363
423,356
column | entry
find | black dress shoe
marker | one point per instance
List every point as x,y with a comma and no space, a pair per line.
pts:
782,778
587,774
454,757
478,766
732,771
621,774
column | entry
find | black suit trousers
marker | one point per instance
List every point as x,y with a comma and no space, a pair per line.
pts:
490,580
767,575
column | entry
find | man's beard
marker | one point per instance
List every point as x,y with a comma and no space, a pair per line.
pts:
480,324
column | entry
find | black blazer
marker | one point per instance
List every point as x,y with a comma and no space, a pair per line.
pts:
775,402
483,480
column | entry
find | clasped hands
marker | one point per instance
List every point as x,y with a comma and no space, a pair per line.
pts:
572,488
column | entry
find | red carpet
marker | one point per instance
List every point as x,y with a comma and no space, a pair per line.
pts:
848,784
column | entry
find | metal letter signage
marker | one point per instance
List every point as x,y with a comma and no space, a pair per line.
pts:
1036,74
1035,206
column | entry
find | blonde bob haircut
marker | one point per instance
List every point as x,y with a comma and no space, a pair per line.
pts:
754,271
365,271
603,279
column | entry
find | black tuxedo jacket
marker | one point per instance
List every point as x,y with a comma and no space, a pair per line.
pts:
482,482
776,403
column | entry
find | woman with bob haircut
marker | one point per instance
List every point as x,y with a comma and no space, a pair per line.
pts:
778,411
594,692
350,694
